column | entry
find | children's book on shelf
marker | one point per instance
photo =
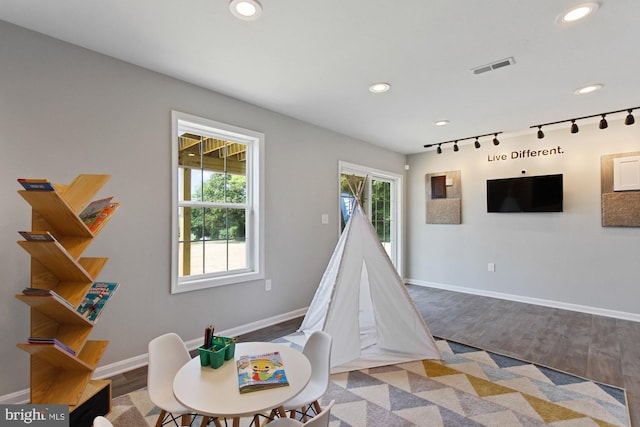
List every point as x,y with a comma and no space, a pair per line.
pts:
35,184
38,292
261,371
103,216
54,341
96,298
97,212
37,236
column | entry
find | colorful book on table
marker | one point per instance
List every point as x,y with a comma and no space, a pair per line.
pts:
261,371
96,298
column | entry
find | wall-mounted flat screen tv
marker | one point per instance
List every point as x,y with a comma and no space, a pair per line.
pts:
541,193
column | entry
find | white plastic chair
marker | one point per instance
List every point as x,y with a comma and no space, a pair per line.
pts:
101,422
167,354
320,420
318,351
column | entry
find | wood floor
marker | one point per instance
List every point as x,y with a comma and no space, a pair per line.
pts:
595,347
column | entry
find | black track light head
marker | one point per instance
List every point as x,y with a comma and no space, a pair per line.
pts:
477,143
455,146
603,122
439,149
495,139
629,120
574,127
540,133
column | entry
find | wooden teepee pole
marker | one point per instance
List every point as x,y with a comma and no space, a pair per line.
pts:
357,188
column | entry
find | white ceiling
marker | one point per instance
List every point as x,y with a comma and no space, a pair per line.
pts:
314,59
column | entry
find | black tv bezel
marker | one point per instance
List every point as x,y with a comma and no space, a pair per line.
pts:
556,206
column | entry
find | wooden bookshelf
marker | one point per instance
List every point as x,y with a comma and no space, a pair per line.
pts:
59,376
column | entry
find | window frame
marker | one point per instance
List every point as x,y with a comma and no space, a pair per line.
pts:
255,229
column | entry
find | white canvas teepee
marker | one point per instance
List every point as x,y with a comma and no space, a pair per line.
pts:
363,304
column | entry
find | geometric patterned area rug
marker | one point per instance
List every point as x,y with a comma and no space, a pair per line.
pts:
469,387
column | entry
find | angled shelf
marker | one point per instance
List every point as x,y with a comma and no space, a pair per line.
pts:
54,308
58,375
56,212
51,317
55,258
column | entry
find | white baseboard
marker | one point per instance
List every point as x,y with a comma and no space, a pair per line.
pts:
107,371
634,317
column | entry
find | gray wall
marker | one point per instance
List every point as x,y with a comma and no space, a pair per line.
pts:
564,259
66,111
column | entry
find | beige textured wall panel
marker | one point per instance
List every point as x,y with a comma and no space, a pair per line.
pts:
444,211
621,209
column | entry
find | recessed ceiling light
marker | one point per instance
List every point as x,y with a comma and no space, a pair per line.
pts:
379,87
247,10
442,122
578,12
588,89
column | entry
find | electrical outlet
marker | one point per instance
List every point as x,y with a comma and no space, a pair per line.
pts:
267,285
491,267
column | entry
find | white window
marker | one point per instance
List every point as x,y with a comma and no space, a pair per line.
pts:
217,221
381,200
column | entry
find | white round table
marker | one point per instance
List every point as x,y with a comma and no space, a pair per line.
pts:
215,392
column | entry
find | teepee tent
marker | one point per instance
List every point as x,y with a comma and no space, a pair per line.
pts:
363,304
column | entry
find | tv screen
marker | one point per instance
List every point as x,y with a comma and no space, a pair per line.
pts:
525,194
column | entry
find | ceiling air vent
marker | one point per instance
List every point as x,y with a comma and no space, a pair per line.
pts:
494,65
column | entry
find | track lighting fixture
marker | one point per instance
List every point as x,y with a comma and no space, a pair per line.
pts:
629,120
574,126
603,123
456,147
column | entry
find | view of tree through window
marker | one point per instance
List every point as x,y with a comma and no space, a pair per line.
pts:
381,209
219,224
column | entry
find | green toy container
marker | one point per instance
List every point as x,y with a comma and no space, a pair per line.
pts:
223,349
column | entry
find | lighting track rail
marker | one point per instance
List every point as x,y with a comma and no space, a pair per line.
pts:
455,141
629,120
